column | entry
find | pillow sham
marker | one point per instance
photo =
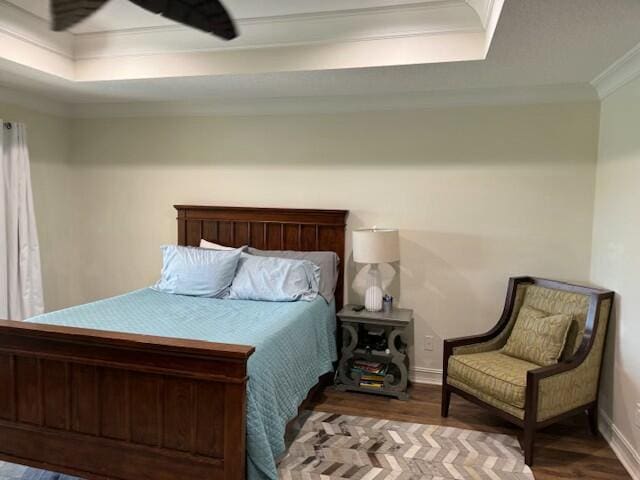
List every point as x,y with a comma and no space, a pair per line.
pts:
538,336
327,261
213,246
275,279
197,272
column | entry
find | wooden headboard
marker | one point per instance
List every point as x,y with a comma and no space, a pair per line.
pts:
267,229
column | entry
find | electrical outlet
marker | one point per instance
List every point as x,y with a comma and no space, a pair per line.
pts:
428,343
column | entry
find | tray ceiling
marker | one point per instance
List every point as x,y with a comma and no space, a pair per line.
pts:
122,41
123,15
542,50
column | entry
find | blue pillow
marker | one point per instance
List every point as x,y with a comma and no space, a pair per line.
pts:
327,261
275,279
197,271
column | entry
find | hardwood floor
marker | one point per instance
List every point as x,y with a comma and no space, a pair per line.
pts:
563,451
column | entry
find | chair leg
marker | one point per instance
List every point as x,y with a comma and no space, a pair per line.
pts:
529,440
446,399
592,413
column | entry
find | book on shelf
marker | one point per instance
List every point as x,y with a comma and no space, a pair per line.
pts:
369,367
370,384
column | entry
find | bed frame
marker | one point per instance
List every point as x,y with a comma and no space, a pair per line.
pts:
104,405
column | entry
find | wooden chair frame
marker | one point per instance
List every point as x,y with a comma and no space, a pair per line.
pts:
530,424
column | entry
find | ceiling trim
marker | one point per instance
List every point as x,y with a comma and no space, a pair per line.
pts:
28,54
371,38
376,23
483,8
618,74
290,58
26,39
418,5
28,27
35,42
575,93
490,22
426,31
486,97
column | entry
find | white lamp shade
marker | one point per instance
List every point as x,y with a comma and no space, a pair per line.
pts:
376,245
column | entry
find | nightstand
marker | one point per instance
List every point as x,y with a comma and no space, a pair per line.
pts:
374,351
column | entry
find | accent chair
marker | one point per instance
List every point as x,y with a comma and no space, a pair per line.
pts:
510,371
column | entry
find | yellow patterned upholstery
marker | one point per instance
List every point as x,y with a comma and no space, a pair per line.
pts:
516,412
484,371
574,388
559,301
494,374
537,336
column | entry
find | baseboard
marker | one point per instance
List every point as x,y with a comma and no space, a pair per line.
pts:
429,376
623,449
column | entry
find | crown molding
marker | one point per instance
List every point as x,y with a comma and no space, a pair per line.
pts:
553,94
483,8
419,49
398,21
618,74
425,31
26,39
485,97
27,27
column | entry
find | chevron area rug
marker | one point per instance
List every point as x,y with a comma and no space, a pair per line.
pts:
327,446
330,446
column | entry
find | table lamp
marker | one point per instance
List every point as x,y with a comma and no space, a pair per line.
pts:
375,246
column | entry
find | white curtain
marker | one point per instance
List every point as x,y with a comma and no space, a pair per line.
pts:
20,275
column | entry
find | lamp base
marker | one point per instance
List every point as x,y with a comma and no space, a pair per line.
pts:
373,294
373,299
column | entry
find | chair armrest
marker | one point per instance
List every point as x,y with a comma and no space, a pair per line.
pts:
552,391
552,370
570,384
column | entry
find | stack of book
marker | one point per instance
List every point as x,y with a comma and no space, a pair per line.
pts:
371,373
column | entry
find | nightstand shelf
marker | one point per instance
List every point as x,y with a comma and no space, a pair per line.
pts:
372,353
394,330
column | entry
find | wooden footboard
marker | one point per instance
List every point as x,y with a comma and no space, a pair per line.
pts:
104,405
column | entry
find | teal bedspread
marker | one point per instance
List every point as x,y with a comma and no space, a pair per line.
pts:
295,344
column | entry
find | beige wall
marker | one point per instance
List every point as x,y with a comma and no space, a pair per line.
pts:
616,257
48,139
478,193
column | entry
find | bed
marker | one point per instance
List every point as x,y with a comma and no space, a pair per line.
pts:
119,390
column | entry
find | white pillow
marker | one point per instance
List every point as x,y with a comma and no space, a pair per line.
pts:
213,246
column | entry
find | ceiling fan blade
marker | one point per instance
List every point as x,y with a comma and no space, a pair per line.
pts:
207,15
66,13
